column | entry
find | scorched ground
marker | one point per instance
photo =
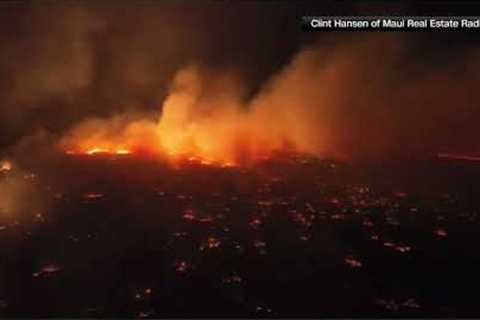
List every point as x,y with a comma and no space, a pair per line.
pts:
291,236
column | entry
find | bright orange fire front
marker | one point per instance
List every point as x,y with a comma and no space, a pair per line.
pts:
99,150
107,151
209,126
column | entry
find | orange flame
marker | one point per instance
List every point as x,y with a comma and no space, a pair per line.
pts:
205,126
97,150
122,151
100,150
5,165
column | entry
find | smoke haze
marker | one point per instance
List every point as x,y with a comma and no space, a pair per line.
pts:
169,79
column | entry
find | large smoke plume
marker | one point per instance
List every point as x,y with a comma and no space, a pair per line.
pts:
165,78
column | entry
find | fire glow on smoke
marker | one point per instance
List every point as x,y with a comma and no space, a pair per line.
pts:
320,103
203,119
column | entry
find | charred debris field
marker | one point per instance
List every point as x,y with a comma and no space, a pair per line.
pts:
291,236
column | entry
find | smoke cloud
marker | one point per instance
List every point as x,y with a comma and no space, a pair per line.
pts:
166,79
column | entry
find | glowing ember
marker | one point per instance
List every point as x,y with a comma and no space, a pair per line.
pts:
259,244
142,314
97,150
189,215
449,156
335,201
5,165
234,278
48,269
403,248
353,262
92,196
337,216
51,268
389,244
441,233
228,165
255,223
301,218
210,243
182,266
206,220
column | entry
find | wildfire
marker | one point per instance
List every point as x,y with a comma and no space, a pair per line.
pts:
174,157
197,126
95,151
99,151
5,165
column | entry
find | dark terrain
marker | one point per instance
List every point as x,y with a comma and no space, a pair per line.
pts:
291,237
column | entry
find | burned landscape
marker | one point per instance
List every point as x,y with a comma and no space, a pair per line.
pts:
169,159
292,236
